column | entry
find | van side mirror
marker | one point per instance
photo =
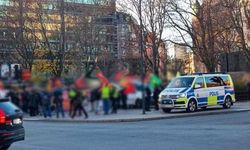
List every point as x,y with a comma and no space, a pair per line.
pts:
197,86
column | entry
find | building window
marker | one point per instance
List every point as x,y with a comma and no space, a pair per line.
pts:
216,81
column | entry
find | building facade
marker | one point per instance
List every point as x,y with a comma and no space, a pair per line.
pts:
227,46
184,59
35,29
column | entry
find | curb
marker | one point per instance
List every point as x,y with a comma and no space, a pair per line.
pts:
138,119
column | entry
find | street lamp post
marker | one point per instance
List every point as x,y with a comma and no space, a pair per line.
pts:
142,58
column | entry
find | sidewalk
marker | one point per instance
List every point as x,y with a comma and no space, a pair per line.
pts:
133,115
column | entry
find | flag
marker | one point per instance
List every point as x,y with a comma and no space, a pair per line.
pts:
80,82
130,88
128,84
154,81
102,78
118,76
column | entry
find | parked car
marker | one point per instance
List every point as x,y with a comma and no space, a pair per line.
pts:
135,99
11,124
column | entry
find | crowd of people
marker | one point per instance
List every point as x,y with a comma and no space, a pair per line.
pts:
50,97
105,99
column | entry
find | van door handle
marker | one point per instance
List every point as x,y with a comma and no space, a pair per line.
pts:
197,95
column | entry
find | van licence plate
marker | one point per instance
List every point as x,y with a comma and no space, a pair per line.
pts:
168,102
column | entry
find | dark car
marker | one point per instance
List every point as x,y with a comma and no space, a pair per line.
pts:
11,124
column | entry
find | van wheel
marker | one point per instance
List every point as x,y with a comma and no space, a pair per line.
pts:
192,106
166,110
228,103
5,147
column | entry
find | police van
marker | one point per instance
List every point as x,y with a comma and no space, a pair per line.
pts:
195,91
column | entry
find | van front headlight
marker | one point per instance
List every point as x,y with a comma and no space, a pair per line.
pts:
182,95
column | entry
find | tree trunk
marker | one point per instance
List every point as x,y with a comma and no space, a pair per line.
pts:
60,64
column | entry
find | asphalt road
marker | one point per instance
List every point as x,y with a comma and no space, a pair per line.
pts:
215,132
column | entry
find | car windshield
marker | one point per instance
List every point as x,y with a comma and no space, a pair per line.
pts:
181,82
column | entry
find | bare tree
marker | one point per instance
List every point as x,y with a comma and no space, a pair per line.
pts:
39,28
61,54
91,35
52,35
197,26
154,21
240,16
19,33
106,63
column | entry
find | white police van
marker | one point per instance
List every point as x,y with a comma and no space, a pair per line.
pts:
199,90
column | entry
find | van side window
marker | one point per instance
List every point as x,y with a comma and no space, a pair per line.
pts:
214,81
200,81
226,80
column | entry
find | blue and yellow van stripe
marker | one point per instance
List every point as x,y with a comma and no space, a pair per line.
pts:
205,101
211,100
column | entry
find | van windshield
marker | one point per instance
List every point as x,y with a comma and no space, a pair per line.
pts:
181,82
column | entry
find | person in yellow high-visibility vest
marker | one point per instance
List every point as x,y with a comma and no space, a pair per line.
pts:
105,94
114,99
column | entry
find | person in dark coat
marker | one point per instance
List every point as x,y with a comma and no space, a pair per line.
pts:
147,98
156,93
98,101
114,99
13,96
77,104
93,99
124,99
58,100
46,103
34,99
25,100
